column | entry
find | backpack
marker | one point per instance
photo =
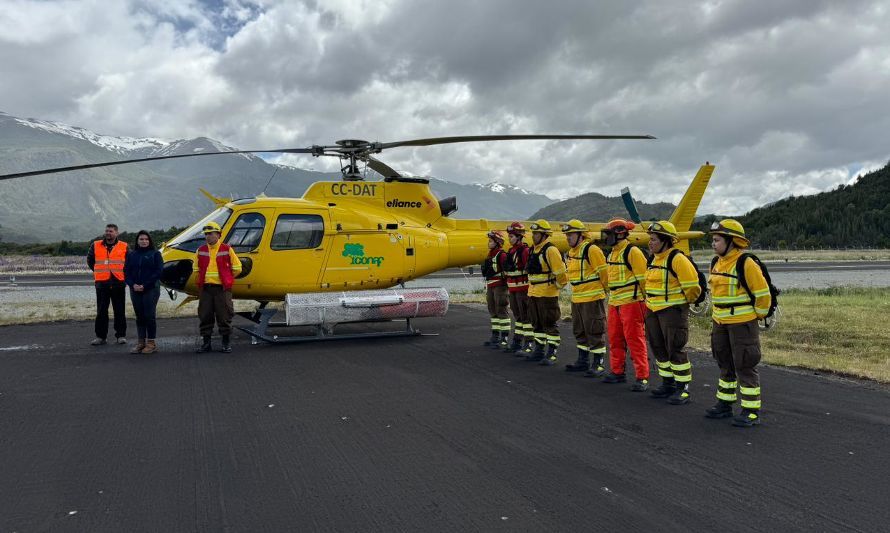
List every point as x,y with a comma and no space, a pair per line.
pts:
534,260
774,291
702,281
510,262
488,265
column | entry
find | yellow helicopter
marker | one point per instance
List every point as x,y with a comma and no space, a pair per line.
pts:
354,234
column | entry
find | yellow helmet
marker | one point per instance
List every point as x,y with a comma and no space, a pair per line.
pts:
210,227
573,226
541,225
663,227
732,229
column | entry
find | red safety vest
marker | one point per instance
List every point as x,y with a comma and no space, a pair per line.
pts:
108,265
223,265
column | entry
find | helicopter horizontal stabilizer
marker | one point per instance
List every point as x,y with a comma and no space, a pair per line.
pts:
217,201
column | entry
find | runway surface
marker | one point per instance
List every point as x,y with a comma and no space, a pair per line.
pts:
425,433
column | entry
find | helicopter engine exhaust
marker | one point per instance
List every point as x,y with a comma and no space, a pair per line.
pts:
331,308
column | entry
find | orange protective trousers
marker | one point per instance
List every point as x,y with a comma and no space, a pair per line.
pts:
627,332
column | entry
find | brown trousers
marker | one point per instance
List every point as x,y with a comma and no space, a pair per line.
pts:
519,308
667,332
737,350
589,326
496,297
543,312
214,303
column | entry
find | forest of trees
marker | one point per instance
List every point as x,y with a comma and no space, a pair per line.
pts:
855,216
80,247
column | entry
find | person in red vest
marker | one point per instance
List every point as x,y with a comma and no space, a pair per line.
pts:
216,266
106,259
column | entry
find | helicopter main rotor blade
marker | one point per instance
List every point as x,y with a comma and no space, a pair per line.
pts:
382,168
144,159
474,138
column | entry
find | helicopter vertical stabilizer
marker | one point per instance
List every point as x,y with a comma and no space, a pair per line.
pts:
684,214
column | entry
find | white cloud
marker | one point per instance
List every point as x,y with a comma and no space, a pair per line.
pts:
785,98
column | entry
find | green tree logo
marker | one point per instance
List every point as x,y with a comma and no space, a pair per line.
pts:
353,249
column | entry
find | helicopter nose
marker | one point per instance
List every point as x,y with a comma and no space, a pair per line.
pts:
176,274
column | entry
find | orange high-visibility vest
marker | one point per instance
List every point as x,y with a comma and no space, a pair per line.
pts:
108,265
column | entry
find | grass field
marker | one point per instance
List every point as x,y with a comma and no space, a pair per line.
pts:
704,256
837,330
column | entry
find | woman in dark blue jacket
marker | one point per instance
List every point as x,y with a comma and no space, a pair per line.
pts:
142,270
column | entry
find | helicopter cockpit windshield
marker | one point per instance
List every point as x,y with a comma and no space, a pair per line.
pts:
192,238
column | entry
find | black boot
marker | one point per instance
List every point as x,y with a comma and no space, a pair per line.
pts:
492,341
515,346
537,354
640,385
226,347
503,342
582,364
550,358
665,389
680,396
596,369
721,409
615,378
205,345
747,418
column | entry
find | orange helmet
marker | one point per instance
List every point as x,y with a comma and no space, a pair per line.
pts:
619,225
516,228
497,236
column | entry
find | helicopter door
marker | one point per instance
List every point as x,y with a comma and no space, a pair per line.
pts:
298,251
366,259
245,237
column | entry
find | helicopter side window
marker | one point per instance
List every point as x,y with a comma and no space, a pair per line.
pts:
247,232
295,232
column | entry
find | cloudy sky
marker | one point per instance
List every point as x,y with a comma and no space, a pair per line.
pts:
785,97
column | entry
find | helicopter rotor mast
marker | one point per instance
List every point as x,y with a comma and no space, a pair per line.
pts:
350,151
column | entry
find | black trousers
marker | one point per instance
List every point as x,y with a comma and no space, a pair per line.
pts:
145,305
115,294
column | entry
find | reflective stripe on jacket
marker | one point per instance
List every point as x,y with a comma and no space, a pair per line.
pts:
548,283
626,286
587,275
226,268
730,302
679,291
109,264
517,279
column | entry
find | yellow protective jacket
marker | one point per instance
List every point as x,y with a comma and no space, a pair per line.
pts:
626,285
588,276
663,289
731,303
553,278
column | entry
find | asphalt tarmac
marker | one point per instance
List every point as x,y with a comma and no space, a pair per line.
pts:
432,433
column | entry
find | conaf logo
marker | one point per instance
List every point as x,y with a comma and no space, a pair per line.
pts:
356,253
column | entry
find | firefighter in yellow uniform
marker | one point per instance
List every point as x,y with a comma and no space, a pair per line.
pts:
546,276
735,336
671,285
627,307
587,272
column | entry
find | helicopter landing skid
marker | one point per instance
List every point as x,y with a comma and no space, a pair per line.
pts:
262,318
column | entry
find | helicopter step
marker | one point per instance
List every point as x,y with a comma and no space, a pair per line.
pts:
322,312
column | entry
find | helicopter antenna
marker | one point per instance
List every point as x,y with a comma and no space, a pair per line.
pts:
270,179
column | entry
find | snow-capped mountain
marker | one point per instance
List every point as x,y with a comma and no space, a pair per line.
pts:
160,194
